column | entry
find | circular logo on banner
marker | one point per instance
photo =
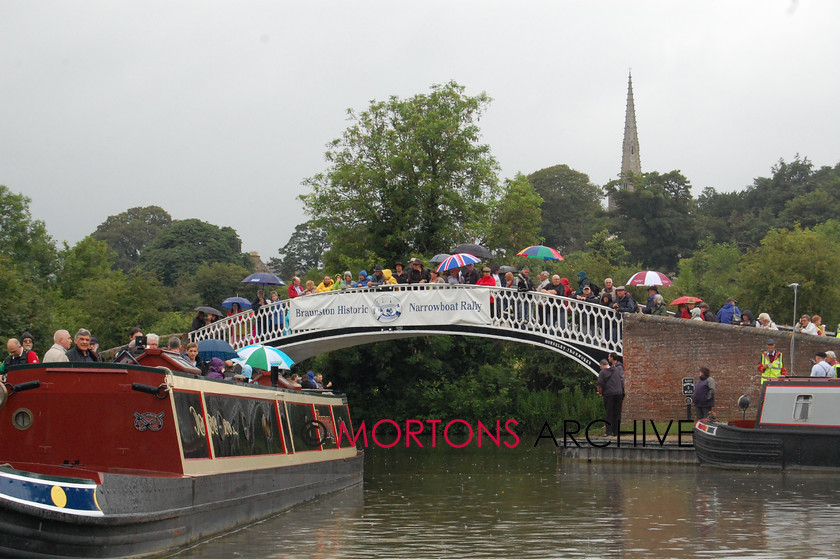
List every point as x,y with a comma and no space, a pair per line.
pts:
386,308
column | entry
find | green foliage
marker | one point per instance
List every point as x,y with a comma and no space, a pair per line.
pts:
171,323
26,307
711,274
516,218
87,260
214,282
110,306
304,251
805,256
609,247
129,232
656,220
407,176
795,193
180,249
571,205
23,239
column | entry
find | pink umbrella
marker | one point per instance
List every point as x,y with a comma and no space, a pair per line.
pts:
649,278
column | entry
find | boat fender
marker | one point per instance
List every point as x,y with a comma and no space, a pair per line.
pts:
159,391
4,395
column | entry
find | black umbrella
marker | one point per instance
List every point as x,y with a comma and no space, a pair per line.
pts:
208,349
263,278
506,269
438,258
209,310
474,249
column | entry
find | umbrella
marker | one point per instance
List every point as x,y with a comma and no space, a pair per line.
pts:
457,261
438,258
265,357
263,278
506,269
649,278
243,302
209,310
540,251
208,349
474,249
685,300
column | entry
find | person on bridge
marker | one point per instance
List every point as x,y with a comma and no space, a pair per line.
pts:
399,273
653,291
771,365
418,274
363,279
625,302
325,285
609,287
295,289
470,275
704,393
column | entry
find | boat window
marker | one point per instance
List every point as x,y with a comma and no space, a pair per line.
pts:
802,409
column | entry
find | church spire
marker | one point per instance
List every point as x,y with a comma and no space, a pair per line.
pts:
630,160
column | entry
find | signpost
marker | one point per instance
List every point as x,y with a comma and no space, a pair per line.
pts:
688,392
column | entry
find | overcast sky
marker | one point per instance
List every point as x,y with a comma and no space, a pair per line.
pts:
218,110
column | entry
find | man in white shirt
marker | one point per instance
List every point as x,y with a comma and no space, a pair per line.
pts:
821,368
805,326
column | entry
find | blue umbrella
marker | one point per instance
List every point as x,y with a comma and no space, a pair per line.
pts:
208,349
243,302
263,278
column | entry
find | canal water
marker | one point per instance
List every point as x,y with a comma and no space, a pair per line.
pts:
489,502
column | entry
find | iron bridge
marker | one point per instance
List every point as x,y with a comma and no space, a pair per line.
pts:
320,323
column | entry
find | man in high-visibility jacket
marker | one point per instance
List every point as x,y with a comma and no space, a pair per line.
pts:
771,366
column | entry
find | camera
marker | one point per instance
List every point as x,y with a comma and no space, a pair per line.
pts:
140,343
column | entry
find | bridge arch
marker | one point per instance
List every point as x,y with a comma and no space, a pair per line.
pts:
314,324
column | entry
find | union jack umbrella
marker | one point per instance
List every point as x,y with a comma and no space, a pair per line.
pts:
649,278
457,261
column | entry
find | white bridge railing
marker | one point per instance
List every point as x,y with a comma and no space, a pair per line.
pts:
561,318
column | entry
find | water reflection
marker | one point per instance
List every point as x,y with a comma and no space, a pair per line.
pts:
523,503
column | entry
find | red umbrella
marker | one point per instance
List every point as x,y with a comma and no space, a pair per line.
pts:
685,300
649,278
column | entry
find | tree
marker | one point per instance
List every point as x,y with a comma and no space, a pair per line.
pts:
407,176
609,247
304,250
656,220
711,273
26,306
808,257
516,218
214,282
23,239
129,232
571,203
87,260
181,248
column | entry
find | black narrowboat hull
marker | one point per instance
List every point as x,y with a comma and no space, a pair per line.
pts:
138,516
730,446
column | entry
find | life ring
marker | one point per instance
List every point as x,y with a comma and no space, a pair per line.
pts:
311,432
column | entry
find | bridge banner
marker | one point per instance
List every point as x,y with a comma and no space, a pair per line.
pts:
346,309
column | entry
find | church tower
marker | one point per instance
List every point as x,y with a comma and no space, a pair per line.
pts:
630,160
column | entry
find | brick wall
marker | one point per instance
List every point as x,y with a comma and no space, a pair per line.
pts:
660,351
